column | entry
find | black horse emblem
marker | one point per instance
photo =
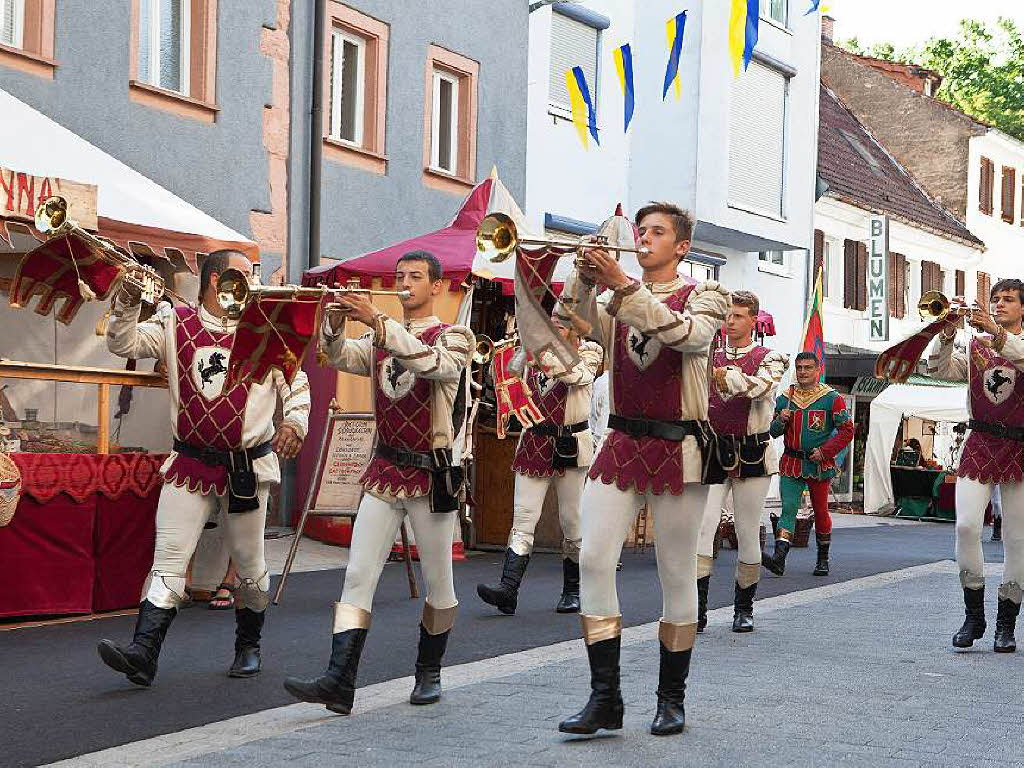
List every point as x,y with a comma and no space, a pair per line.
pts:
995,382
542,381
397,369
216,366
638,344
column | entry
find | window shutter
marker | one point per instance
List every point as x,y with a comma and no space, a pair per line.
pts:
1009,190
901,282
961,282
573,44
894,262
862,276
757,137
849,274
819,255
986,184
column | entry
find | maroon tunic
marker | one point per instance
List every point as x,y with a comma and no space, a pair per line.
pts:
535,453
402,402
213,420
730,417
997,397
653,392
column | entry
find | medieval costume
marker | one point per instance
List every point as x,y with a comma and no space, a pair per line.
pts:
740,416
819,420
657,338
556,451
222,459
416,367
993,455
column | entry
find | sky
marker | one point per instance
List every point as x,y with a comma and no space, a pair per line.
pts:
909,22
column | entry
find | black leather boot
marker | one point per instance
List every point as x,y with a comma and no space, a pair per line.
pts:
248,628
138,659
428,667
703,584
821,569
743,608
570,600
997,528
974,625
336,687
604,708
505,596
1006,622
776,563
672,673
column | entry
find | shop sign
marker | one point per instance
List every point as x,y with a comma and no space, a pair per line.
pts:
21,193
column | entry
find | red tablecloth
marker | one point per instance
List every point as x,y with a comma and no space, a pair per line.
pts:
82,537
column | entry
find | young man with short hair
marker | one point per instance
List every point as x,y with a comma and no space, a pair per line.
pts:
993,455
416,365
744,380
656,334
817,426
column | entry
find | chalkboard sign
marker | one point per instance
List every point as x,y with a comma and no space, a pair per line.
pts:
346,449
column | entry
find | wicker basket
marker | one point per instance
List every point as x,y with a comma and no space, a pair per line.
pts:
802,534
727,534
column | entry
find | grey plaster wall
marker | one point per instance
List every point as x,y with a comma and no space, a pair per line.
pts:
220,168
362,211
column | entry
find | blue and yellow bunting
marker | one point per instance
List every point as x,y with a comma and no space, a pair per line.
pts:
583,115
675,28
743,21
624,66
815,6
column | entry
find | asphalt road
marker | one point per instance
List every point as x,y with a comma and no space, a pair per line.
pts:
58,700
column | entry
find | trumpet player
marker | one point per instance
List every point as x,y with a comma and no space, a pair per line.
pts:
223,458
744,379
557,451
656,333
993,454
416,365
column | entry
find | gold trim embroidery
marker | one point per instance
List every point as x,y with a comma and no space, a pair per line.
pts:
348,616
598,628
747,574
705,564
437,621
677,637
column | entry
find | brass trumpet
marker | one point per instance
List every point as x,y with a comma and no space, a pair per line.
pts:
51,219
497,238
935,305
484,350
234,293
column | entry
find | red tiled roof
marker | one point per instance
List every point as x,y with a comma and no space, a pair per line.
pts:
861,172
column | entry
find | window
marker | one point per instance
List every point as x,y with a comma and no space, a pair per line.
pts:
450,119
775,262
348,66
444,131
776,10
1008,192
897,285
986,186
12,20
932,277
573,44
698,270
855,275
757,140
164,44
961,283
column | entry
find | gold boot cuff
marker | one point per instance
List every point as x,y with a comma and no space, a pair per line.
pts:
677,637
705,565
785,535
598,628
437,621
747,574
347,616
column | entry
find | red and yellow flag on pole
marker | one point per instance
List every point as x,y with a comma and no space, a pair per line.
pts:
814,335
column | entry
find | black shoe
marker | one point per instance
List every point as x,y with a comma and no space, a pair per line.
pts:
1006,621
337,686
428,667
821,569
604,708
505,596
672,673
743,608
703,584
776,563
138,659
570,600
248,628
997,529
974,625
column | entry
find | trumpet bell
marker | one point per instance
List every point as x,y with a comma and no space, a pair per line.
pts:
484,350
51,214
933,305
232,292
496,237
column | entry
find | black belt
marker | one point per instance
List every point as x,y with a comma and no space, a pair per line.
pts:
547,429
228,459
405,458
805,455
999,430
665,430
750,441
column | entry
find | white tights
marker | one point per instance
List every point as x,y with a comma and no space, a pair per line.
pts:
607,515
971,499
529,502
748,504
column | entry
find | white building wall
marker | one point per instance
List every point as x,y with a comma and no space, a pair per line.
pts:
1004,241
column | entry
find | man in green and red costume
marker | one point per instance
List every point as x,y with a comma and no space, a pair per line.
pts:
817,426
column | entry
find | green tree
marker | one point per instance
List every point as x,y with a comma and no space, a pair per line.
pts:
982,70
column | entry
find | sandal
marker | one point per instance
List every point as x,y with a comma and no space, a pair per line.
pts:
220,602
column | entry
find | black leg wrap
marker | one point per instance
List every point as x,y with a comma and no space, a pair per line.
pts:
703,584
336,687
821,568
776,563
428,667
1006,622
997,529
138,659
570,600
672,673
505,595
248,629
604,709
974,624
743,608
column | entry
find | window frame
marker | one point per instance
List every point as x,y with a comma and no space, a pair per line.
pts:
440,75
564,111
18,7
337,63
782,268
764,11
35,32
467,72
184,48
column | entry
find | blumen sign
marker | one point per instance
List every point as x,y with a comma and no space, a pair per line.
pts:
878,278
